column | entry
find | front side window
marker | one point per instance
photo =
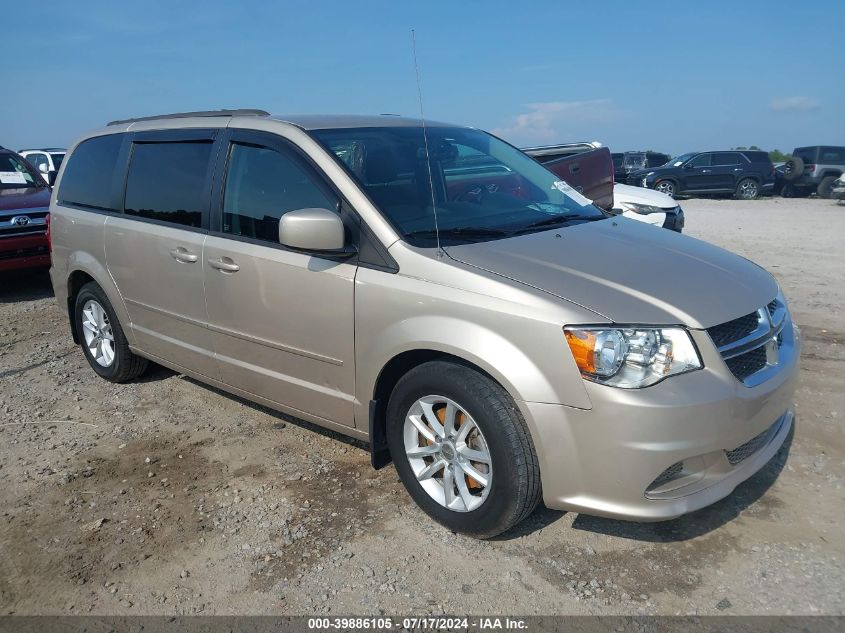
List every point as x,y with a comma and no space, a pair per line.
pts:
89,174
57,160
166,181
702,160
15,173
263,184
480,187
832,155
38,159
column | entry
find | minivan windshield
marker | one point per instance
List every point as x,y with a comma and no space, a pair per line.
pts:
481,187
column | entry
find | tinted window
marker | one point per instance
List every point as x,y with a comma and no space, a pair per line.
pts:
617,161
656,160
832,155
757,157
88,176
167,181
725,158
57,160
807,154
261,186
702,160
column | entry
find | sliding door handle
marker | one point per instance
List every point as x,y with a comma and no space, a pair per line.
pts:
183,255
224,264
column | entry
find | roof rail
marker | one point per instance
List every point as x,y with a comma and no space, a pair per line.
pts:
202,113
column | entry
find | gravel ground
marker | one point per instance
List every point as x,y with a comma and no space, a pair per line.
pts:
167,497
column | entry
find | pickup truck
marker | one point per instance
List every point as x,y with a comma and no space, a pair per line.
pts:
587,167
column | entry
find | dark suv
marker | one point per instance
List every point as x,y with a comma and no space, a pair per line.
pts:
813,170
625,163
746,174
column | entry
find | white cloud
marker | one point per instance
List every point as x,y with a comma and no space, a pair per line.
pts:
794,104
556,121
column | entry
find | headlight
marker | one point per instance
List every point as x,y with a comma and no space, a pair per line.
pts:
642,209
632,357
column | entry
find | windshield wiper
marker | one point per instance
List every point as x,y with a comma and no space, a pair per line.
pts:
460,231
561,219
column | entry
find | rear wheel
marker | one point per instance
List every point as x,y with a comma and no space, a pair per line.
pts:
825,188
666,186
462,449
102,337
747,189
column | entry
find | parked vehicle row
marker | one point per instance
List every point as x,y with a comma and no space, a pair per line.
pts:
436,292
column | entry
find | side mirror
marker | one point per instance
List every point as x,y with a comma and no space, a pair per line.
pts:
312,230
43,168
688,165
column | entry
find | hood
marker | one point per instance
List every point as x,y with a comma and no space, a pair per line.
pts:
627,272
24,198
641,195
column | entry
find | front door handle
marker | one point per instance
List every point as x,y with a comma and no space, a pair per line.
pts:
706,171
183,255
224,264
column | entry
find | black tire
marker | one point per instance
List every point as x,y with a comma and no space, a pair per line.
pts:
793,168
669,187
747,189
125,365
515,485
825,188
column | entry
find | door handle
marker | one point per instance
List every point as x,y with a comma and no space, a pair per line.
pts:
224,264
183,255
706,171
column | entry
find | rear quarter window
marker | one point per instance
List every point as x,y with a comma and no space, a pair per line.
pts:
89,173
832,155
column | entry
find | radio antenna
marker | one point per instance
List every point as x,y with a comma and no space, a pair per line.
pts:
425,140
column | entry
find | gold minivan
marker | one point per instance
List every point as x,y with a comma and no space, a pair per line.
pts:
432,290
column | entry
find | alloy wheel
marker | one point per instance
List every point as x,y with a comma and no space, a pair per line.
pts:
447,453
666,187
748,190
96,328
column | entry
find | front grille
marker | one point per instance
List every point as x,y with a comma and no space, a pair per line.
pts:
743,452
744,365
666,476
36,222
731,331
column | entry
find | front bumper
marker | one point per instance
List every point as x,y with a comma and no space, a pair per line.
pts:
838,193
606,460
18,253
674,220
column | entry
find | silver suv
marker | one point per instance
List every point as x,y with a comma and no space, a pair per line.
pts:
432,290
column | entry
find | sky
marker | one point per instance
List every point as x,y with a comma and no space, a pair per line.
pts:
676,76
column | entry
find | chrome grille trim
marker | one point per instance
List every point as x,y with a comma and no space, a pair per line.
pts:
752,355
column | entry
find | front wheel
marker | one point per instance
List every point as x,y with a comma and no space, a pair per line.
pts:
747,189
667,187
462,449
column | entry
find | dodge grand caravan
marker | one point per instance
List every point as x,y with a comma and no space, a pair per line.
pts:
434,291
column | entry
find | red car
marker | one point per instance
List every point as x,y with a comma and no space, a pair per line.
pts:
24,214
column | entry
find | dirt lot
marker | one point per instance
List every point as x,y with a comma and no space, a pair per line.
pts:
167,497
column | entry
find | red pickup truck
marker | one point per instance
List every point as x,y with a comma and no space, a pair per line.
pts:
588,167
24,214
